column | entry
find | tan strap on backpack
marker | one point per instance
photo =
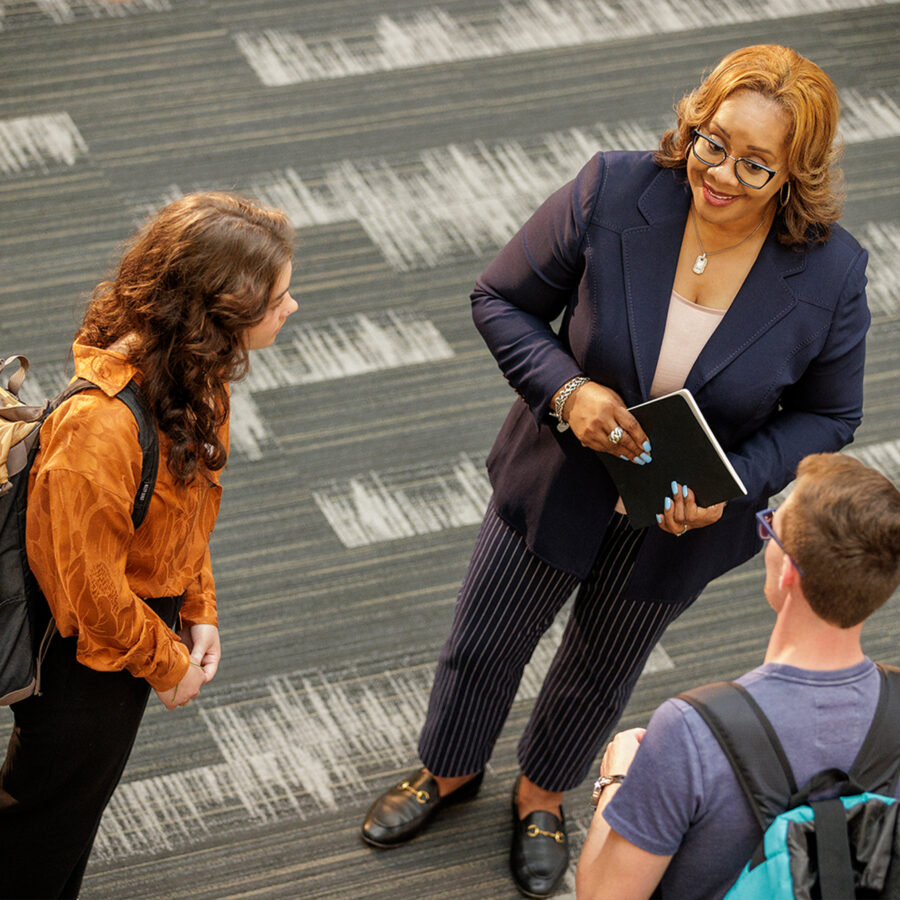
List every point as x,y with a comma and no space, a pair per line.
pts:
17,420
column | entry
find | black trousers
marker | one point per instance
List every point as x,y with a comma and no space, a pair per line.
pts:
508,600
66,755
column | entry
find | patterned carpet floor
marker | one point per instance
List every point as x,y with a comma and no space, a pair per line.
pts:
407,141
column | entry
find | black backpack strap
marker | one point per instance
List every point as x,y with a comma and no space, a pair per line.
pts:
877,765
833,862
148,438
875,769
749,742
132,397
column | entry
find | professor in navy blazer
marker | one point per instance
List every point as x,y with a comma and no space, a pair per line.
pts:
781,377
599,303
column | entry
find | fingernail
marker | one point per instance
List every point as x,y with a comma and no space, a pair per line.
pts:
646,457
658,519
638,460
646,446
684,490
623,456
668,503
674,488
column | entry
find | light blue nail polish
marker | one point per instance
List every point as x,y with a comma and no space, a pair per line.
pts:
658,519
646,446
674,488
623,456
646,457
638,460
684,490
668,503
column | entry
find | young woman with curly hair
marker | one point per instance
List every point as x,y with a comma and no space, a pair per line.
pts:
206,281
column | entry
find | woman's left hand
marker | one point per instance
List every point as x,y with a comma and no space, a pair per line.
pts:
203,643
680,512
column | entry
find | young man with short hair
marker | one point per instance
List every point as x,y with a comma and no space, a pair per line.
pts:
679,820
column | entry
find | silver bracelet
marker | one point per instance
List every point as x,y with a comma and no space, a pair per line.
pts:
602,782
565,392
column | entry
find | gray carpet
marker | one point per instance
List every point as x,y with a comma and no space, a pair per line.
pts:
407,142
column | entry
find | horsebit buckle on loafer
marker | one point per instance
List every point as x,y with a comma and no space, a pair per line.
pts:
421,796
534,831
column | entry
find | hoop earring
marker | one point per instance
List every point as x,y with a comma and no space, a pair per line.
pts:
782,199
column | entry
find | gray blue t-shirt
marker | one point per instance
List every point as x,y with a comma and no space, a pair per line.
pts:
681,796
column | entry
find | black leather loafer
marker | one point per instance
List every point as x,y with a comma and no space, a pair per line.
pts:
399,814
540,850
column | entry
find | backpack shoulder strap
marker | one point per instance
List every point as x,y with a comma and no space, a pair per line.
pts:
877,765
132,397
749,742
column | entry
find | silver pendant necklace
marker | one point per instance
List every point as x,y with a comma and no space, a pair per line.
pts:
700,262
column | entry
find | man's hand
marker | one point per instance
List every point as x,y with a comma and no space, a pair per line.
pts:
620,751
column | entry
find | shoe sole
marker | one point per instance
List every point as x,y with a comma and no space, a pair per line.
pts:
531,894
525,893
381,845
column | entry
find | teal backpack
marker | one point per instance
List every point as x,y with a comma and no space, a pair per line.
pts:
843,848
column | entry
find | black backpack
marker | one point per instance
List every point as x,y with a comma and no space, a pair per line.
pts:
26,626
844,848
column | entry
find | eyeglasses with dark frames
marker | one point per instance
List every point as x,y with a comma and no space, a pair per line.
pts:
711,153
764,525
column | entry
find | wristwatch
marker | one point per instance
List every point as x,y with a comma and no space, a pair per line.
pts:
602,782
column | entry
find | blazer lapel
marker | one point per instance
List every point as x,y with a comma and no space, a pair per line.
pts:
649,258
764,299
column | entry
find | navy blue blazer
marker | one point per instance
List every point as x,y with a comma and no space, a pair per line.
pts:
781,377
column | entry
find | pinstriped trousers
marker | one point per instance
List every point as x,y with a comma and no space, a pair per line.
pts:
508,600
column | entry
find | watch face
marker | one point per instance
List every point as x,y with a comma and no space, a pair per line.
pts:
599,784
602,782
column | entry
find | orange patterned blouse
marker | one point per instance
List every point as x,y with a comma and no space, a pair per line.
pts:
91,564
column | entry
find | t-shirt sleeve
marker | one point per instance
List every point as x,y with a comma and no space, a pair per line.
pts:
663,791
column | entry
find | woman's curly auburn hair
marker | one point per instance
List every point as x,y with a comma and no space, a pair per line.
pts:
809,98
190,284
